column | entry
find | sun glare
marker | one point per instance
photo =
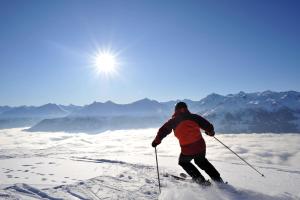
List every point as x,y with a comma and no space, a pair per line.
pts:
105,62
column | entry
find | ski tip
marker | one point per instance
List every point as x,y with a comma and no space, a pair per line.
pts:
262,175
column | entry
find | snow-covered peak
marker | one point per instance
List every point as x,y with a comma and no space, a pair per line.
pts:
109,108
70,108
146,101
214,96
4,108
109,102
267,100
47,110
246,112
50,107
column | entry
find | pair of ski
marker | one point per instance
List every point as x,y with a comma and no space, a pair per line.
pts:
223,186
181,177
184,177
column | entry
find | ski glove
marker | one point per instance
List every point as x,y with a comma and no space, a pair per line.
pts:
155,143
211,133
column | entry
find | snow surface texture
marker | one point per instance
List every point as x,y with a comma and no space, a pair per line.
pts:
121,165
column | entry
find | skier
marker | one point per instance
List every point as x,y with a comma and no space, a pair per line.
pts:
186,128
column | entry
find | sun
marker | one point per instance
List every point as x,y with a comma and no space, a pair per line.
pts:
105,62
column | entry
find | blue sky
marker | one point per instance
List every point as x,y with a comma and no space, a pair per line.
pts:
167,49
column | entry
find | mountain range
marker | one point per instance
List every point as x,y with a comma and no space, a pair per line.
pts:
259,112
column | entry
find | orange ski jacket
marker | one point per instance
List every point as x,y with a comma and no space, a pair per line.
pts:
186,127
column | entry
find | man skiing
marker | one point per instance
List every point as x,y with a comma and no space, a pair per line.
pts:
186,127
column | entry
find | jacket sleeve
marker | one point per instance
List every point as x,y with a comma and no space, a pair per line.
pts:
204,124
165,130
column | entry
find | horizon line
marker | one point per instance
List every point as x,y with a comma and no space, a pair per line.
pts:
145,98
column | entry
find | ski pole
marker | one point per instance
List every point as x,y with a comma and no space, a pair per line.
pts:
157,170
239,157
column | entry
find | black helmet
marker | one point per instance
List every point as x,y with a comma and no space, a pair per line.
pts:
180,105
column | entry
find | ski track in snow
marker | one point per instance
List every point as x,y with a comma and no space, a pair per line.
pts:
121,165
134,183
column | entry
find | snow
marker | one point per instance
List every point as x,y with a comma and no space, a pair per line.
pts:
121,165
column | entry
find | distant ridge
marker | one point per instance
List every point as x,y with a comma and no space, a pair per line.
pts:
242,112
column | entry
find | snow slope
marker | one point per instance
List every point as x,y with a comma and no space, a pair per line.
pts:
121,165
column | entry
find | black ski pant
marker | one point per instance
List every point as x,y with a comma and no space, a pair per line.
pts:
202,163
